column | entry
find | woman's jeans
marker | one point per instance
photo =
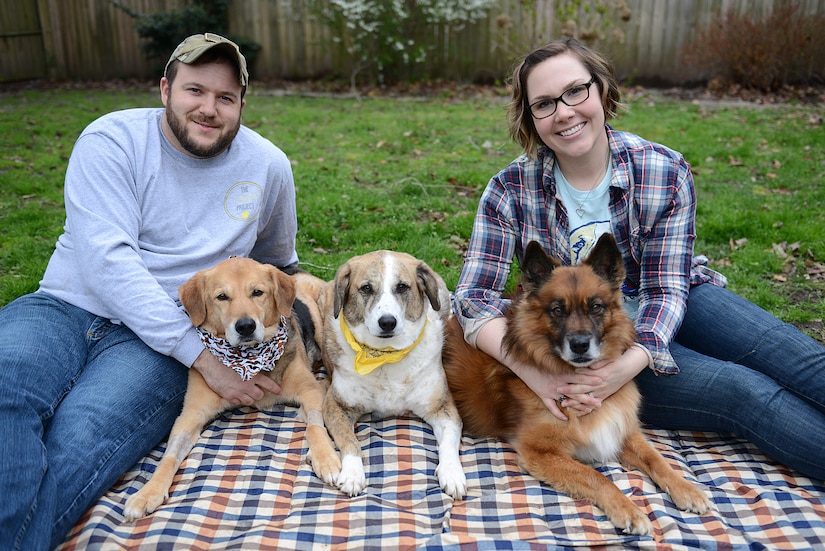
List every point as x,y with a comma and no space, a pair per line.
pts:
81,401
745,372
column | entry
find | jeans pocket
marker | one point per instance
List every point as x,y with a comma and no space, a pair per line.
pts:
99,328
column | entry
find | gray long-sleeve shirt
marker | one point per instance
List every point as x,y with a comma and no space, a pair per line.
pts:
142,218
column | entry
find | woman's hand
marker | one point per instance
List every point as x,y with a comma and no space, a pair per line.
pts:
545,385
548,387
612,375
580,392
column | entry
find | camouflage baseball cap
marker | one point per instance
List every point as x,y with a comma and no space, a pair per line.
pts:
196,45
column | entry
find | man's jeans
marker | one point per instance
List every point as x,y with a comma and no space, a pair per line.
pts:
745,372
81,401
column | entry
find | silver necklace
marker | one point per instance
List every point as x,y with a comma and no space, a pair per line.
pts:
580,209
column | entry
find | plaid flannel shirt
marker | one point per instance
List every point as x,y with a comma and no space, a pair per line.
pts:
652,216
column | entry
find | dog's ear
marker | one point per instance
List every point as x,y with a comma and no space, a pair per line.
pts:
192,297
285,291
606,260
536,266
428,281
341,282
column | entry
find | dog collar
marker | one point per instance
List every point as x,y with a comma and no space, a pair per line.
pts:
368,358
247,361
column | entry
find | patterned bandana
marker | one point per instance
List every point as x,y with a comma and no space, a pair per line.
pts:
248,361
368,358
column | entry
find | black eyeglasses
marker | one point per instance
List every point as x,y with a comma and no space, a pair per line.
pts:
574,95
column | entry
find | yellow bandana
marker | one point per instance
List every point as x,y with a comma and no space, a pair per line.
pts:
368,358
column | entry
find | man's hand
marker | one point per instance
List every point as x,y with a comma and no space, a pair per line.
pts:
229,385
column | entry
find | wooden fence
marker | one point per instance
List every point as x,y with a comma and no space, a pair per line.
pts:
94,40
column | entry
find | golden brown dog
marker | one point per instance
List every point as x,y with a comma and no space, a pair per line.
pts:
567,317
243,306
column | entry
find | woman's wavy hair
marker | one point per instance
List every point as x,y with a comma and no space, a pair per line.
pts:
519,119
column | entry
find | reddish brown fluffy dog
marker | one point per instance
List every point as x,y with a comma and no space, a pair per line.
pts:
566,317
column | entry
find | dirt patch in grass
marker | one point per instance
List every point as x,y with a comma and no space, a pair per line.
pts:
816,329
805,295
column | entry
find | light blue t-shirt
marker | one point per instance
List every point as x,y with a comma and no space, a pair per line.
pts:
587,211
589,215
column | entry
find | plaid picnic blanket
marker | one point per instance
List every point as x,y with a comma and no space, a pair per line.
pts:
246,485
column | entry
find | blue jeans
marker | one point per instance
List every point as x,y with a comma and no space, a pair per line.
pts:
745,372
81,401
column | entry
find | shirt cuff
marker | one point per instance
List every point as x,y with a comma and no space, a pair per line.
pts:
472,327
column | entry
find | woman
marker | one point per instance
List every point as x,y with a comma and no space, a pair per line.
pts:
706,359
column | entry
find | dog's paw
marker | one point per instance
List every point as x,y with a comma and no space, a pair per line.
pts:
452,479
688,497
635,523
326,466
141,504
351,480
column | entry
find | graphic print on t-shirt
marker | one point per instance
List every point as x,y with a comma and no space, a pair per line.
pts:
583,239
243,201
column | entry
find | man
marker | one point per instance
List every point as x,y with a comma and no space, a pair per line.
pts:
93,366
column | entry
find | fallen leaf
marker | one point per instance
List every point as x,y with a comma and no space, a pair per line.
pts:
738,244
779,249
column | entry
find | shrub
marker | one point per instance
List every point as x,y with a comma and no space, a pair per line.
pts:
785,48
163,31
389,38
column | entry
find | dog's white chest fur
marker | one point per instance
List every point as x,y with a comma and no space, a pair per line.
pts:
606,441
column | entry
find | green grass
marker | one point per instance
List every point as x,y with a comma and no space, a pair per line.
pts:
406,174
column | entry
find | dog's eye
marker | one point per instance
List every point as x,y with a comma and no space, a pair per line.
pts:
402,288
366,289
556,311
597,308
257,293
221,296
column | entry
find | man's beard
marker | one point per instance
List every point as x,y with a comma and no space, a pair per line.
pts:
178,128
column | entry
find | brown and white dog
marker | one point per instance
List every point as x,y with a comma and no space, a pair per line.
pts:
566,318
254,318
384,319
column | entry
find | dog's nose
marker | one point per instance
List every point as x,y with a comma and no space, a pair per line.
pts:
387,323
245,326
579,344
